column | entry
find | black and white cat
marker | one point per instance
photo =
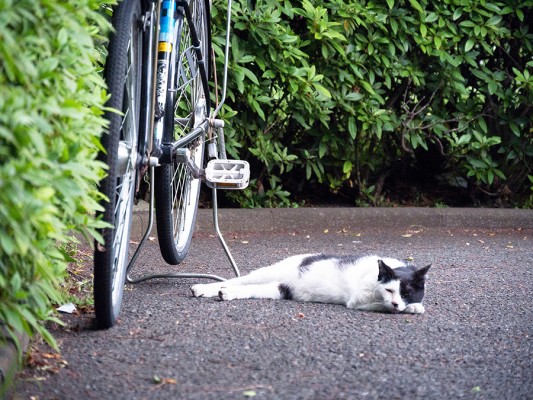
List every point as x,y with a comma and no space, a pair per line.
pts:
368,283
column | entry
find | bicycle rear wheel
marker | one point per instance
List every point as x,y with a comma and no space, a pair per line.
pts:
177,192
123,77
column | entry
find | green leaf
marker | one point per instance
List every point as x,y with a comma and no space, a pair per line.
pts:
468,24
247,59
394,26
431,17
492,7
7,244
490,177
347,167
250,75
322,149
499,173
352,127
416,5
423,30
493,87
390,3
354,96
469,44
495,20
322,90
478,164
482,124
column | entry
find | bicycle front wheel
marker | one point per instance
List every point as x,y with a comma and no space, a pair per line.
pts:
177,192
123,77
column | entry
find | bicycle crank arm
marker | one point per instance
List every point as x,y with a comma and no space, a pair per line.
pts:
183,156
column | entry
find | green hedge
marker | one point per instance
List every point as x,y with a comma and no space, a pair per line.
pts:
342,94
51,104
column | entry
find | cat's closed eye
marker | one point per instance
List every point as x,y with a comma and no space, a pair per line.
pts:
390,290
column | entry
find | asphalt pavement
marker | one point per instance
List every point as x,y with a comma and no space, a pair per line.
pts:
475,340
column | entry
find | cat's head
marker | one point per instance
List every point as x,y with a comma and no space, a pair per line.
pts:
401,286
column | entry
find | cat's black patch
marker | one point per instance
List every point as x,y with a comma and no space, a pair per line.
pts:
412,283
386,273
308,261
342,261
346,261
285,292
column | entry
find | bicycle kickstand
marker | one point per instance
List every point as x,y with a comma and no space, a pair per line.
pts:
219,173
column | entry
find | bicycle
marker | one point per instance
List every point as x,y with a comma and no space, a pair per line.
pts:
166,132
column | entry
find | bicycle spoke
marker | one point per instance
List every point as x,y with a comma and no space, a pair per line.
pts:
181,193
186,110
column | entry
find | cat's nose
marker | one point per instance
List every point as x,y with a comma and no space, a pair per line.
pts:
394,304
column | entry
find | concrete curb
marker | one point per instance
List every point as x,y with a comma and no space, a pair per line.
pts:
309,219
9,362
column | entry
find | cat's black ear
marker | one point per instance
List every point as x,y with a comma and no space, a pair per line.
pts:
423,271
385,273
420,275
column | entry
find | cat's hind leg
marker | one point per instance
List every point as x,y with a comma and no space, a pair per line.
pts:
260,275
271,290
272,273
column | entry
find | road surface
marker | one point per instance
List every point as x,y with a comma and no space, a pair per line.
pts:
475,340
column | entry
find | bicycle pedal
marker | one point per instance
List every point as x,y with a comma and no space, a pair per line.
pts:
227,174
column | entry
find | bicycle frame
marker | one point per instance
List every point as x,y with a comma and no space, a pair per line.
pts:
147,112
155,148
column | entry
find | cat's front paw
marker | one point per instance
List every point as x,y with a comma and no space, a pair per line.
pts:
414,308
205,290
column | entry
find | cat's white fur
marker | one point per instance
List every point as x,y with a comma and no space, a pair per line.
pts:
354,285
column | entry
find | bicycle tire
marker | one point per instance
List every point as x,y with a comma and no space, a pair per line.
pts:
123,77
176,191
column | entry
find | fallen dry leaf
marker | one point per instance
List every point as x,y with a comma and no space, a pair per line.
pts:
54,356
46,362
163,381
